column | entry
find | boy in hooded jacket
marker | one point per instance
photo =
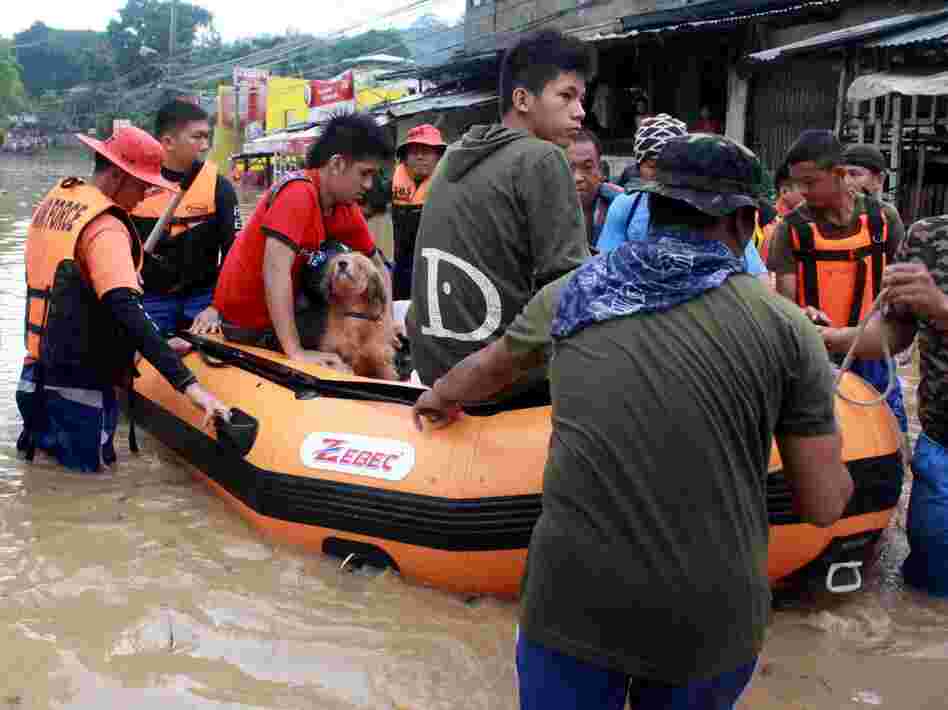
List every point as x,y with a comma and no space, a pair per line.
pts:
502,217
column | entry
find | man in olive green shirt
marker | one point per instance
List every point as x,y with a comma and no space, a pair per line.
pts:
671,371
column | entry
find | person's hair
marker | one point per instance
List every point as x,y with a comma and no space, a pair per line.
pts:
379,196
101,164
355,136
782,176
585,135
538,59
669,212
174,115
816,146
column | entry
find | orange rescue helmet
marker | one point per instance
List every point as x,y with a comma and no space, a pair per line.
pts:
135,152
425,134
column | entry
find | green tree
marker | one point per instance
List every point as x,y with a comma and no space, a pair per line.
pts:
55,60
371,42
12,93
140,36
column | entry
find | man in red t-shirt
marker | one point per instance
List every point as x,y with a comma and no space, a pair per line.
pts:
256,290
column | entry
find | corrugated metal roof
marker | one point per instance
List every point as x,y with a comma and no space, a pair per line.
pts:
713,12
934,32
878,30
438,102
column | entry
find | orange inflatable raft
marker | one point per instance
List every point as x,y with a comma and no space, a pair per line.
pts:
333,463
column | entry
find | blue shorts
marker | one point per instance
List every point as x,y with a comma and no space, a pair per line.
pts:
927,528
171,311
550,680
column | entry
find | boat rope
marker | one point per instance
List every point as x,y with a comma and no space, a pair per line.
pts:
850,356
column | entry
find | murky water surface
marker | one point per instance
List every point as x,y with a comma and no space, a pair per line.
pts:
141,589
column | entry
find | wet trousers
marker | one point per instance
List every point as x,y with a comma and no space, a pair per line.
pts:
927,564
75,425
550,680
173,311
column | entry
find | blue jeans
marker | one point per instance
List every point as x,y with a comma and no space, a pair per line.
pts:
173,311
927,563
550,680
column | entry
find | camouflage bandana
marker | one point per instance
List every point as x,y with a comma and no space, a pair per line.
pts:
654,133
643,277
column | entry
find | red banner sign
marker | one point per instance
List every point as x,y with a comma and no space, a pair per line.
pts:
323,92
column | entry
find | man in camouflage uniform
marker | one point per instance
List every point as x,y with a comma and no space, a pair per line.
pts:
672,370
915,291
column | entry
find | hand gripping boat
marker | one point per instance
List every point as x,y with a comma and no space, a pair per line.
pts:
334,463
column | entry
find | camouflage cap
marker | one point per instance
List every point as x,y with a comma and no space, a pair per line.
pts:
711,173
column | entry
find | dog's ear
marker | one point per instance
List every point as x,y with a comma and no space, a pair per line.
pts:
375,292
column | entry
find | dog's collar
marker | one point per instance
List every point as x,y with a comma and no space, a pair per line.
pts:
362,316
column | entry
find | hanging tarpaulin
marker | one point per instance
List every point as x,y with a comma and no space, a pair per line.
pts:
871,86
251,85
330,96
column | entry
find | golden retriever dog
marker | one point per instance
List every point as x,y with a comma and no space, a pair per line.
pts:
355,320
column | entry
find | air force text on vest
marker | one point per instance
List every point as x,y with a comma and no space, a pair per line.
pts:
58,214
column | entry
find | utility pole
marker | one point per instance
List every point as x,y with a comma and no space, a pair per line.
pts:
174,27
168,93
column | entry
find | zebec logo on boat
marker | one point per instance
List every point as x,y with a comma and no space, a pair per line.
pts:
388,459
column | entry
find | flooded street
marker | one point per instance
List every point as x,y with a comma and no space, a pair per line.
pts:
141,589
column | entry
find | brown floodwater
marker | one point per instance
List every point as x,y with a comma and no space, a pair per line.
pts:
141,589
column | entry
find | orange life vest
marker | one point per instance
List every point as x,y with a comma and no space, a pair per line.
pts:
767,232
189,255
197,205
841,277
67,329
408,199
405,191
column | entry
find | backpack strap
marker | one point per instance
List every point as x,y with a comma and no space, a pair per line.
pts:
878,236
807,256
859,292
635,208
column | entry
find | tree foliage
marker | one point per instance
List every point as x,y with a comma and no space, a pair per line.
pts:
142,33
55,60
79,78
12,93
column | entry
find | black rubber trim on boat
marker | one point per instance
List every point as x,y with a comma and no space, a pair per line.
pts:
306,386
496,523
877,486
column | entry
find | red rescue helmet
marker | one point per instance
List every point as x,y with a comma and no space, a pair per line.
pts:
135,152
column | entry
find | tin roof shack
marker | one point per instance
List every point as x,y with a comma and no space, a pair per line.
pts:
890,91
682,59
650,56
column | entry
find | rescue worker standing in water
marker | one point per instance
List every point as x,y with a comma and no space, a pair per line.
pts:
418,156
829,254
84,319
180,276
